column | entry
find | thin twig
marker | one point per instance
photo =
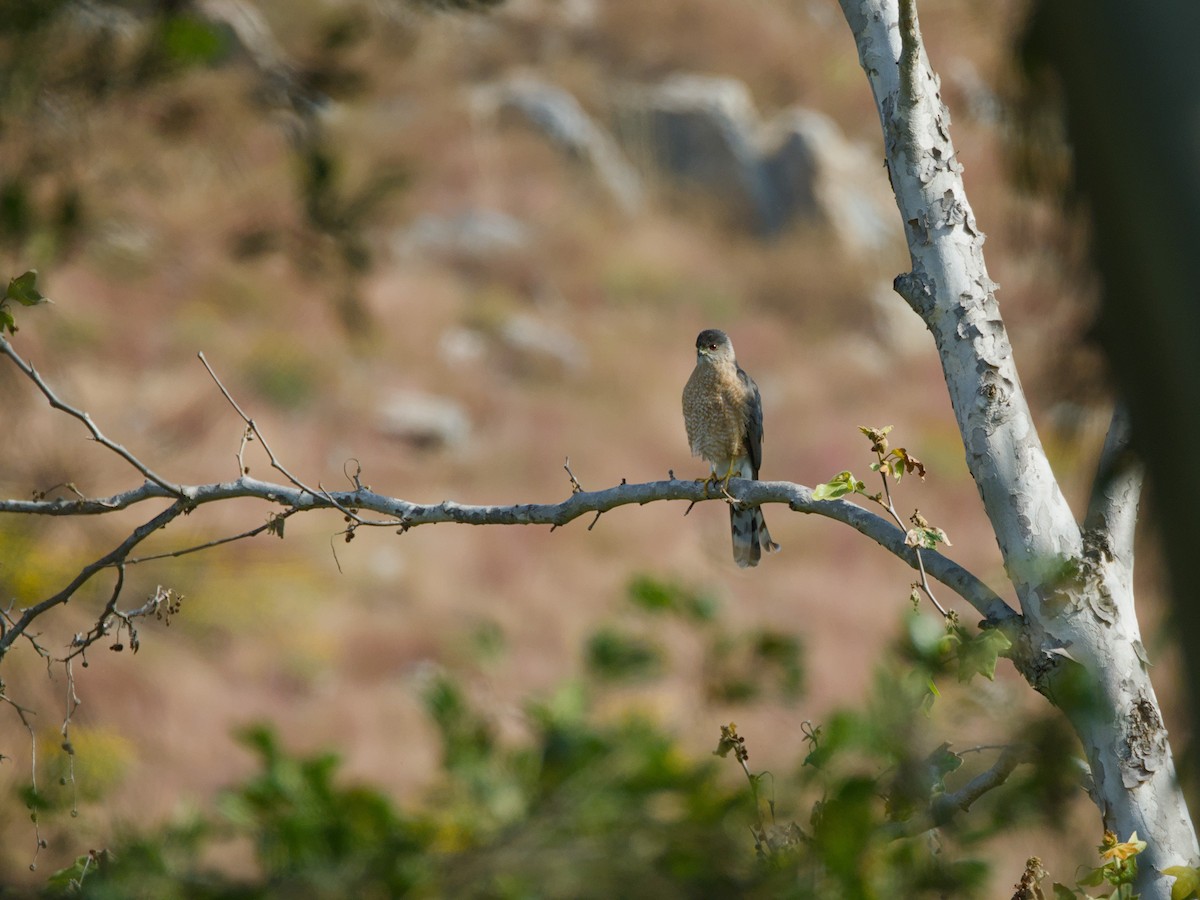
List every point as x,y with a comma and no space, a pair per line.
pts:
83,641
576,487
253,532
252,428
23,714
923,584
72,704
7,349
8,622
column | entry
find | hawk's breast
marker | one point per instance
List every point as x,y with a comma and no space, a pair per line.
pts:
714,413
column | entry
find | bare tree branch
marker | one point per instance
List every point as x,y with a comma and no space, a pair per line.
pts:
945,806
114,557
910,55
405,514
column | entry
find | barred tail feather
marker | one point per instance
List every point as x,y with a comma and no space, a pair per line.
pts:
750,536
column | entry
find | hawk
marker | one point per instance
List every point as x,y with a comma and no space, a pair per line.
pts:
722,411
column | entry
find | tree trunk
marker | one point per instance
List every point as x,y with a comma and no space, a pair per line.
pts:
1079,644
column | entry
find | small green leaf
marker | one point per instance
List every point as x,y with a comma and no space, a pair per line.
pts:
71,877
941,763
1187,882
1062,892
841,484
1093,878
977,655
24,290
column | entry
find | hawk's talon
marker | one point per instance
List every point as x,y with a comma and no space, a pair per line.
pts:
710,481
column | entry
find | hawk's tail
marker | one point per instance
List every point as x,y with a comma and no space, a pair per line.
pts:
750,535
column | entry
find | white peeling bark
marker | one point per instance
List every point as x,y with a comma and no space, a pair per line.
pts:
1080,644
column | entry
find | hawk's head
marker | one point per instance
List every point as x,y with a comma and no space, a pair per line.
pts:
714,346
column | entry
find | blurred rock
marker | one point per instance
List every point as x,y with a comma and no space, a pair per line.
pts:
426,421
704,131
538,346
558,115
476,233
815,172
459,345
701,130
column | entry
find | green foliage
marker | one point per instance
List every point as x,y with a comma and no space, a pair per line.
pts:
748,666
190,41
21,289
315,837
977,654
154,866
653,595
740,666
947,646
591,803
615,655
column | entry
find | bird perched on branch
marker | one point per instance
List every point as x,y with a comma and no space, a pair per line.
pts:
722,411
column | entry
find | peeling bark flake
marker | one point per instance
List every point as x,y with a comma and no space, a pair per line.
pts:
1145,744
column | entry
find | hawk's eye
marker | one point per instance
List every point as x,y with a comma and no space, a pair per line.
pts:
712,346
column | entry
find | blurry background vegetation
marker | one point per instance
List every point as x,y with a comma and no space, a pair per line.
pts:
361,214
